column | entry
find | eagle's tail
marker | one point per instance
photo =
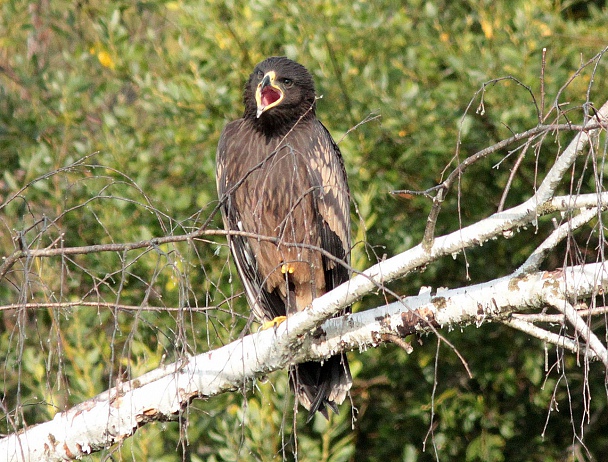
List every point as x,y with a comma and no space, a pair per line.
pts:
321,386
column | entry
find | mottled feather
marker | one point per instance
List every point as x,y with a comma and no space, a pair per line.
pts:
281,176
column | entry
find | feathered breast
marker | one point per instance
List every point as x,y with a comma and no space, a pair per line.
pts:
292,189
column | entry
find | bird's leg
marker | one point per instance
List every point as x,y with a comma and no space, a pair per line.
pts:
286,269
273,323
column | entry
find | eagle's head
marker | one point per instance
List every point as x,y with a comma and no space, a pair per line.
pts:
278,93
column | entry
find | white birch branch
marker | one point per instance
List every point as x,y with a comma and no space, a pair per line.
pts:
163,393
548,337
582,328
470,236
581,309
564,230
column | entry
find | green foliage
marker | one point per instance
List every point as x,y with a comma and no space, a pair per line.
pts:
124,102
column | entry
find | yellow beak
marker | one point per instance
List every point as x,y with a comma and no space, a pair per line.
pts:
268,94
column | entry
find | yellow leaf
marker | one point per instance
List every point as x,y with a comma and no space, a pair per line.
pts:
545,30
487,28
173,6
105,59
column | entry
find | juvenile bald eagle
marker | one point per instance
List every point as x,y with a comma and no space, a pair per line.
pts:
281,175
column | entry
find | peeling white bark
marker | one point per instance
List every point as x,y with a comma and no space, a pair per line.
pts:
163,393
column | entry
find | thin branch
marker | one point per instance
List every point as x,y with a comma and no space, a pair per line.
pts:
514,169
368,118
153,243
549,337
80,162
395,339
581,327
446,185
535,259
533,132
581,309
162,394
542,83
112,305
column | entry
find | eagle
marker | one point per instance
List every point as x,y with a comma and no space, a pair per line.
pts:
281,179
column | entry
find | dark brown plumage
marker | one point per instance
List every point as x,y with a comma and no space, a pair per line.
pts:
280,174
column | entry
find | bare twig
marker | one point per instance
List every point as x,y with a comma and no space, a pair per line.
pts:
535,259
549,337
542,84
111,305
392,338
445,186
579,324
516,165
581,309
533,132
80,162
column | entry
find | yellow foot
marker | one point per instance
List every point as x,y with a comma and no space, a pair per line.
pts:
274,323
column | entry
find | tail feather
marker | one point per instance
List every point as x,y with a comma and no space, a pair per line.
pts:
320,387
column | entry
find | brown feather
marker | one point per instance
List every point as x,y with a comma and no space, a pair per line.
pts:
282,176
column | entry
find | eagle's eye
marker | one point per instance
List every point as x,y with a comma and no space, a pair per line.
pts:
259,74
287,82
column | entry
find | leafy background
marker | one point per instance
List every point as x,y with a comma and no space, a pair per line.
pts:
115,109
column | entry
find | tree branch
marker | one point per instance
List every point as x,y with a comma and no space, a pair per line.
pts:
549,337
535,259
582,329
164,393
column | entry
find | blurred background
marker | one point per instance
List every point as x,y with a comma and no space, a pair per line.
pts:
110,113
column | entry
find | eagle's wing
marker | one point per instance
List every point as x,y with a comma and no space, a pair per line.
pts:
333,205
230,177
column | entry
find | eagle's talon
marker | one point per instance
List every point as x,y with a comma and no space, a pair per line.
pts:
274,323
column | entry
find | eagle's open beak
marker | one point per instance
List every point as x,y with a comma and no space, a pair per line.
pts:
268,94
